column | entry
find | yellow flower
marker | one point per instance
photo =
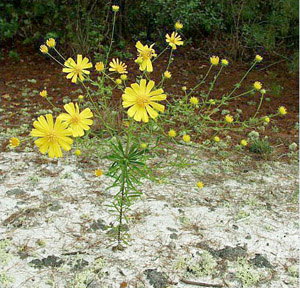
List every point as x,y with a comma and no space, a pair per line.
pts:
258,58
98,172
186,138
141,100
214,60
145,54
167,74
52,136
212,102
44,93
200,185
257,85
123,77
178,25
282,110
172,133
14,142
224,62
115,8
228,118
119,81
118,66
77,69
44,49
143,145
244,142
51,42
99,66
184,88
77,152
78,122
267,119
194,100
174,40
80,97
217,139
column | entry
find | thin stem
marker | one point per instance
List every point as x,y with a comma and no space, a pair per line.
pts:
160,54
213,83
59,54
202,81
55,59
169,62
111,39
260,103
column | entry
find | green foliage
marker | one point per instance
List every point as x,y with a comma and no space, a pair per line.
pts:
261,146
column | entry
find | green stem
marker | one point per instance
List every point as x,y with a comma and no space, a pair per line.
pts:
202,81
55,59
111,40
59,54
260,103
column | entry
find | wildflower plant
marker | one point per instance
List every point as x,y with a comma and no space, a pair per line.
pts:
142,112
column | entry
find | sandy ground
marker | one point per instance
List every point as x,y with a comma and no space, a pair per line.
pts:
240,230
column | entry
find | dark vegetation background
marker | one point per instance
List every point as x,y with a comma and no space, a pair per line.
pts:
241,27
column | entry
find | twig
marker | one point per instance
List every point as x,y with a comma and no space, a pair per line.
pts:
200,283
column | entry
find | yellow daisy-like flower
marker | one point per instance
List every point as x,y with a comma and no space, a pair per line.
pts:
282,110
214,60
145,54
99,66
178,25
77,152
98,172
51,42
44,49
257,85
117,66
174,40
224,62
142,100
77,69
267,119
44,93
172,133
186,138
123,77
80,97
115,8
217,139
14,142
194,100
144,145
258,58
119,81
228,118
244,142
52,136
200,185
167,74
78,122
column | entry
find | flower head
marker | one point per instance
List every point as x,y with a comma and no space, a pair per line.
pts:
194,100
115,8
44,93
143,145
78,122
178,25
77,152
142,100
172,133
183,88
214,60
263,91
244,142
119,81
145,54
200,184
282,110
44,49
174,40
77,69
224,62
14,142
212,101
217,139
167,74
117,66
51,42
80,97
228,118
257,85
99,66
123,77
98,172
258,58
52,135
186,138
266,119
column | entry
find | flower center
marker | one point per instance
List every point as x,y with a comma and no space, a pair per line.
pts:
51,137
146,54
77,69
75,119
142,100
120,69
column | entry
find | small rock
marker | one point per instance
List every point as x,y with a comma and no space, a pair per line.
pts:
172,229
248,237
80,264
16,192
50,261
98,225
232,253
156,279
174,236
261,261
